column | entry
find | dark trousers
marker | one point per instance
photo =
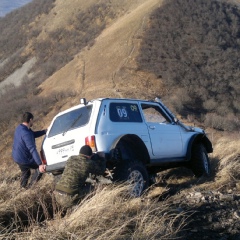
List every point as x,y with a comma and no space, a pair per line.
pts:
26,173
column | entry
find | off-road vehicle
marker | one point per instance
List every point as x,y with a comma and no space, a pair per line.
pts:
138,138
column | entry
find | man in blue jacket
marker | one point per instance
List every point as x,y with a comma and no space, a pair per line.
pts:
24,151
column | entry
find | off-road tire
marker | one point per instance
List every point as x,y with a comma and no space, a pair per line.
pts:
133,173
199,163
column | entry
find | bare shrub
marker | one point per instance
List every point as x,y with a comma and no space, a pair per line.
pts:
228,122
14,26
17,100
210,104
54,52
62,44
182,102
215,121
195,45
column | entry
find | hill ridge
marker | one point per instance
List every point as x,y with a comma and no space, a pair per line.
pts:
111,50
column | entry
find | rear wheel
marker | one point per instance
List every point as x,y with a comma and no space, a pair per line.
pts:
133,173
200,163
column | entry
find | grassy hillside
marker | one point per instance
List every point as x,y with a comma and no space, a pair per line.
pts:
168,210
194,47
192,53
183,51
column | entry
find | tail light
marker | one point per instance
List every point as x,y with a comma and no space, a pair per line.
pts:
90,141
43,157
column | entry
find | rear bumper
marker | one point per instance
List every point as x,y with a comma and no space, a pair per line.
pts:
114,155
56,167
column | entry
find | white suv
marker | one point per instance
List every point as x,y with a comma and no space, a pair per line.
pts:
138,138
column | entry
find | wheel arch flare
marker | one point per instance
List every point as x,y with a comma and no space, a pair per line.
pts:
196,139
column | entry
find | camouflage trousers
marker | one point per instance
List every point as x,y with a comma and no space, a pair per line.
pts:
66,200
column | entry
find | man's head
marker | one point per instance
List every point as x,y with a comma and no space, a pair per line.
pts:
28,118
86,151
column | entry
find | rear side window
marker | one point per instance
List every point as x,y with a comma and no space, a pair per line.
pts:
124,112
70,120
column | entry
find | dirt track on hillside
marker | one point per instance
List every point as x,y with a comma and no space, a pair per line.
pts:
108,68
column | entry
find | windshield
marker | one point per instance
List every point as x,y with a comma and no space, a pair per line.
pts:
68,121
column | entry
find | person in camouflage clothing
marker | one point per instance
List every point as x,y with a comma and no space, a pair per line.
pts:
71,186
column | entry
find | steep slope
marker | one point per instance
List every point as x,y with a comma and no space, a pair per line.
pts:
108,68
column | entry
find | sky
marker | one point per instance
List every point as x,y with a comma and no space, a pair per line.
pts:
7,6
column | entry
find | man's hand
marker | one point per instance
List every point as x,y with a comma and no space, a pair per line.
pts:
42,168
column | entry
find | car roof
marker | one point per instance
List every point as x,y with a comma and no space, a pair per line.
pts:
123,99
100,99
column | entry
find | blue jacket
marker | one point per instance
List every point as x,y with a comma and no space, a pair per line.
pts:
24,149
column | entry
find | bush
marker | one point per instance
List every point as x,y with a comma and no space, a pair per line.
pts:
195,45
228,122
15,26
52,53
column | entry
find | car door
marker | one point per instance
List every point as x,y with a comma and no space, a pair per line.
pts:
165,135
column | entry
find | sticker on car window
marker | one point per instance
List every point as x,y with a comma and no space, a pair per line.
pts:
122,112
134,108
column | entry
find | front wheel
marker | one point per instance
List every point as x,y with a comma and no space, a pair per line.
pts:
200,163
133,173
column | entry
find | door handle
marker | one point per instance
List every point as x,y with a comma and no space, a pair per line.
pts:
152,127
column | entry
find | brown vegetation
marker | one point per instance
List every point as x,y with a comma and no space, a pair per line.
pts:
164,212
107,213
194,46
189,47
15,34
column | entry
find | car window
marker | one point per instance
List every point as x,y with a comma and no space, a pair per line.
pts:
153,113
70,120
124,112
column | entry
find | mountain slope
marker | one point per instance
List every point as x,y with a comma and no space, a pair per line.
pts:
91,49
105,69
132,49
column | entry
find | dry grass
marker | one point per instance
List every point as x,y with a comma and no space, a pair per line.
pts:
20,208
107,213
112,215
227,151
